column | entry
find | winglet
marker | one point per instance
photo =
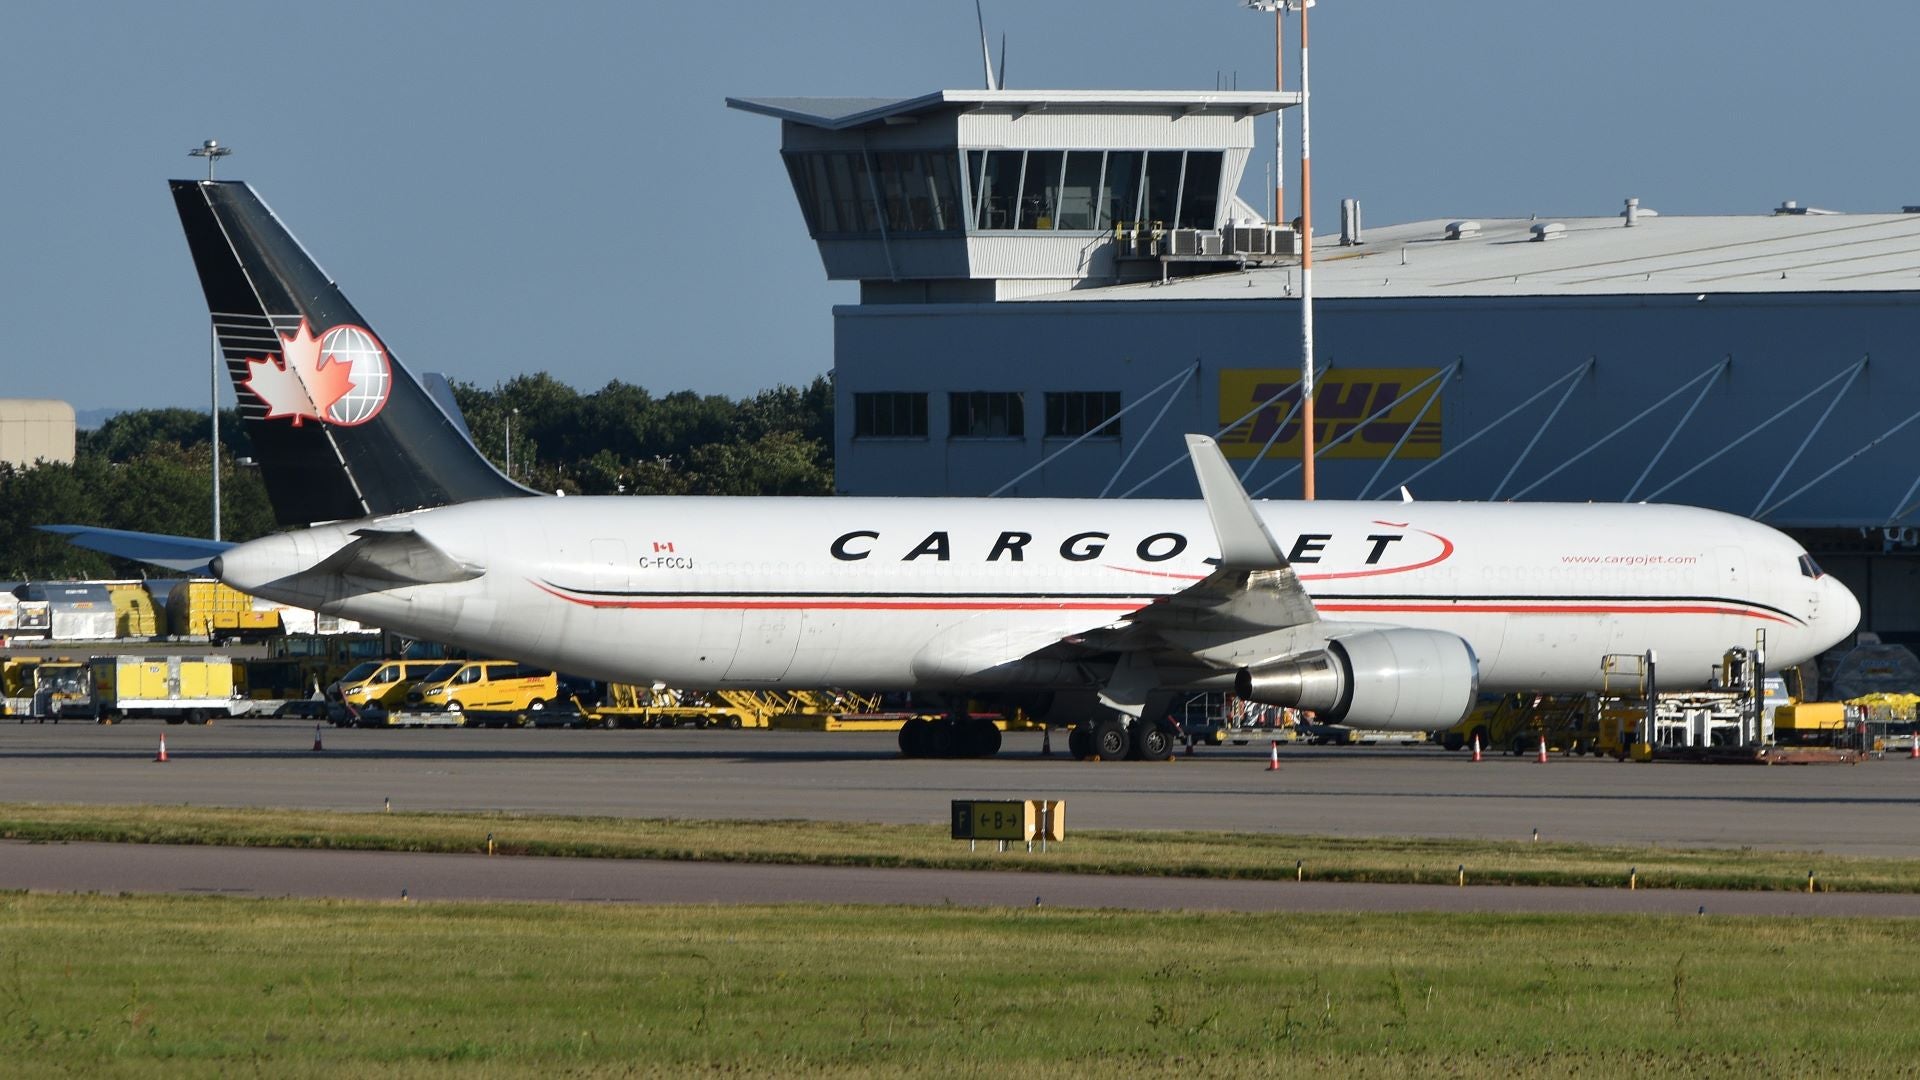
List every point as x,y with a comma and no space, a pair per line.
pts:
1245,543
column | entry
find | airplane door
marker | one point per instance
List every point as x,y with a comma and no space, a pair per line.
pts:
1732,566
609,559
768,639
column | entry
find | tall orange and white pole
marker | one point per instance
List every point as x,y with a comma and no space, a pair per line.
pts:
1279,115
1306,266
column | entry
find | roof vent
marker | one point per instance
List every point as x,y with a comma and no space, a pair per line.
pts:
1460,230
1789,207
1548,230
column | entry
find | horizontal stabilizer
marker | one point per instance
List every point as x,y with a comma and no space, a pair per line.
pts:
181,554
401,556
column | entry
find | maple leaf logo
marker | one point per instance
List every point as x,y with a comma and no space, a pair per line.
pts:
304,383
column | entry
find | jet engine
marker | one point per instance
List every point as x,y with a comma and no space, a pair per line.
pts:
1386,680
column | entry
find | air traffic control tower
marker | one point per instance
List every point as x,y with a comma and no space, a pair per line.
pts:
986,195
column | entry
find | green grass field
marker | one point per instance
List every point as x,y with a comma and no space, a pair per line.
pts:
198,986
1181,854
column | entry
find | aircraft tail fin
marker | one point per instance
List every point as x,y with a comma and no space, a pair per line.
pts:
339,428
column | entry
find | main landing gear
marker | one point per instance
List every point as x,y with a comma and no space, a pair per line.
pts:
949,737
1116,738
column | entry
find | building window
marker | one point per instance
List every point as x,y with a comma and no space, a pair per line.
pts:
1080,412
890,416
1200,191
986,414
919,192
1089,190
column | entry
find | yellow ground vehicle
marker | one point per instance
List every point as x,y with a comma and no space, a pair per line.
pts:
177,689
62,688
325,657
381,683
1810,723
484,685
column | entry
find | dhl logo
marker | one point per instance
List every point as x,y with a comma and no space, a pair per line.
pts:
1341,400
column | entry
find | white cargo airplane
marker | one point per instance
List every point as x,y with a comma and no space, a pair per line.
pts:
1382,615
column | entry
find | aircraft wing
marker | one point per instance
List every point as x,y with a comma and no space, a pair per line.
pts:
1250,609
182,554
401,556
1254,588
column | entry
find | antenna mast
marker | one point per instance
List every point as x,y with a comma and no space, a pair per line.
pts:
986,54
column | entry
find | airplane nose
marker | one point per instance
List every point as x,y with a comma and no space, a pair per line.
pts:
1842,607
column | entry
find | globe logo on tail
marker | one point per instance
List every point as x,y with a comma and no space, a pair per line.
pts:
341,377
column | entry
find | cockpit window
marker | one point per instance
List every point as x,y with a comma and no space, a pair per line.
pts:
1809,568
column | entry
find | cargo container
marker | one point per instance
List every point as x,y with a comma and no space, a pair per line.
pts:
22,618
135,614
76,610
209,609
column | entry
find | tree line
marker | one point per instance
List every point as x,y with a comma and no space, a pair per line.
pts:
148,470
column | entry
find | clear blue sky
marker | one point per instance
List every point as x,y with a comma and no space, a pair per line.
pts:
506,188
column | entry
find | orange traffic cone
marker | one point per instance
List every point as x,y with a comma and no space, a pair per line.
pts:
1543,749
1476,746
317,744
162,755
1273,764
1916,746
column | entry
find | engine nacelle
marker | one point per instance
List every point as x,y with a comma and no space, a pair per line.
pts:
1385,680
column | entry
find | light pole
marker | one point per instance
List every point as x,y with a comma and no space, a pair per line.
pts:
511,413
213,152
1279,9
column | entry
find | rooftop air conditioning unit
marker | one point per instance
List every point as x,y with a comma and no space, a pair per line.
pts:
1183,242
1212,243
1461,230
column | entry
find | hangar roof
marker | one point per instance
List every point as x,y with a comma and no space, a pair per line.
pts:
1789,252
835,114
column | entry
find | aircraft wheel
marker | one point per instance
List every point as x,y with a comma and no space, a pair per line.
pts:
1079,743
1153,740
944,738
984,740
1110,739
913,737
733,721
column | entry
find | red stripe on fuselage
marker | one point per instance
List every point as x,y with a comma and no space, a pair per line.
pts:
1440,608
853,605
1553,609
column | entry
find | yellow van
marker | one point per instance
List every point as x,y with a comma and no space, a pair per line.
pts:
380,682
488,685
